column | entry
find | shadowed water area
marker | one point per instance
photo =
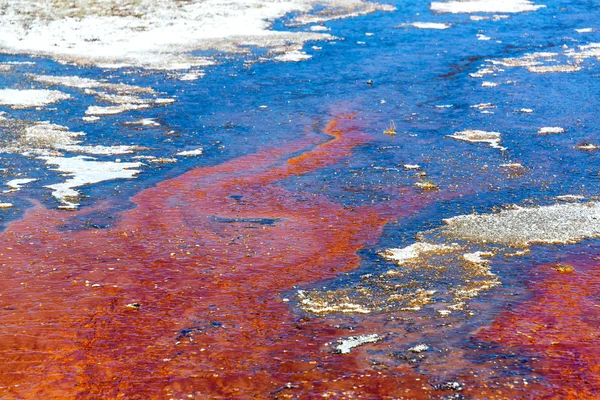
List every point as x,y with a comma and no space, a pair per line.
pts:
402,204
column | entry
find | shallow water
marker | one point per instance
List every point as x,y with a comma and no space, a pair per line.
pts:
237,271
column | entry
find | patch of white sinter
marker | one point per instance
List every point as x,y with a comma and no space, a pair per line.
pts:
419,348
556,224
429,25
26,98
83,170
568,60
484,6
549,130
191,153
49,142
46,139
160,34
17,184
402,255
477,136
345,345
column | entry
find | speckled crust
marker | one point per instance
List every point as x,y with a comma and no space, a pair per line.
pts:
559,224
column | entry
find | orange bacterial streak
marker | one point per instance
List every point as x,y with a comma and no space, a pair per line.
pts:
209,257
560,328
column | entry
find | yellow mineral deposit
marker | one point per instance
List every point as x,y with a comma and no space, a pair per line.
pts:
564,268
391,131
